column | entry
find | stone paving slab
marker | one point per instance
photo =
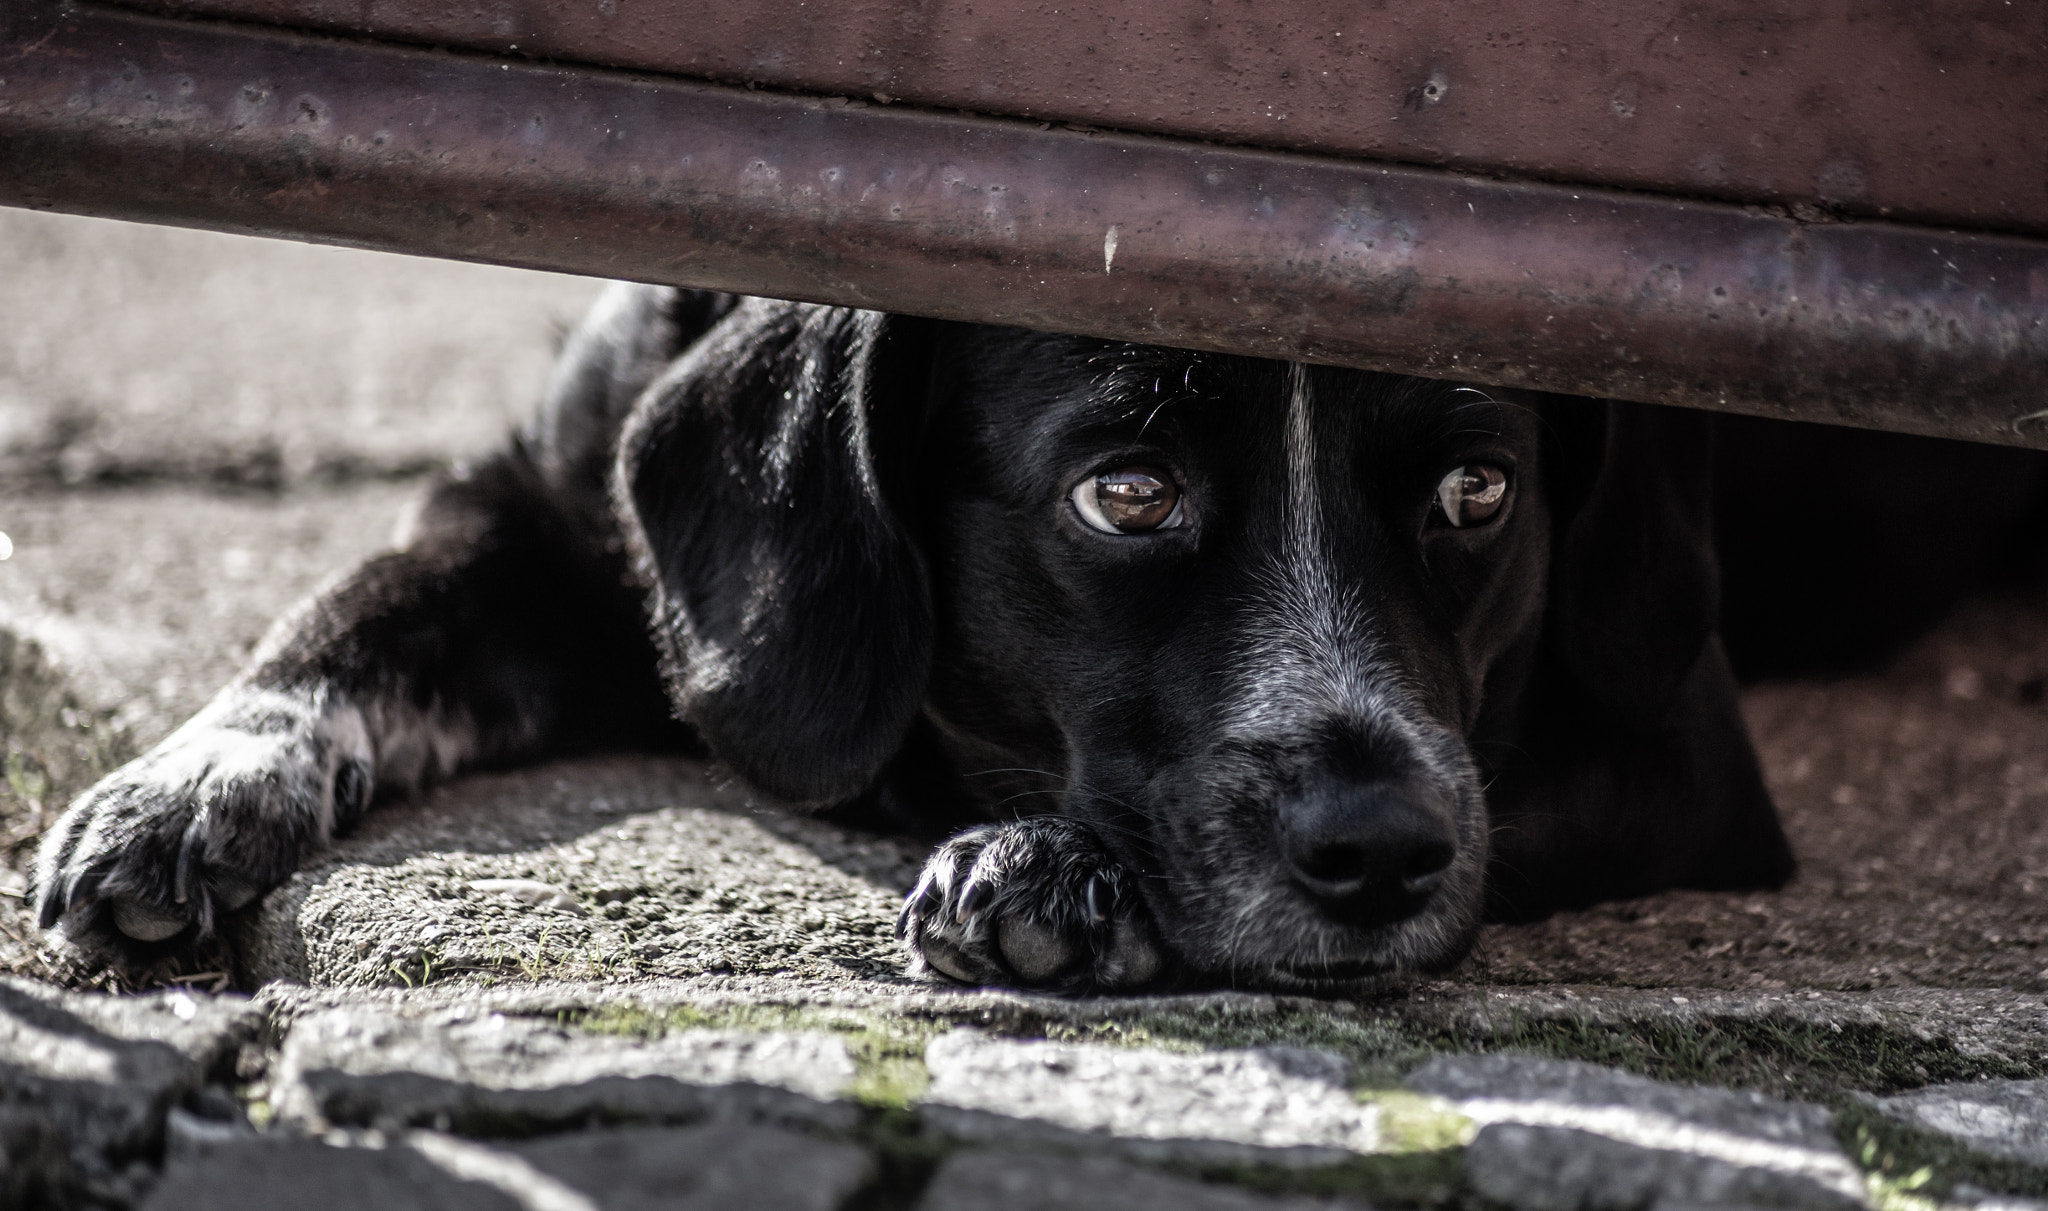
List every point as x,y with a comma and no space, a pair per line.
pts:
991,1180
1943,1027
306,1175
622,868
2006,1119
1535,1168
490,1074
1560,1135
384,1064
1273,1105
1985,1200
1971,1029
707,1168
86,1081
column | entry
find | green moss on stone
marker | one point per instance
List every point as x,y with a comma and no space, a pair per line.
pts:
1906,1162
887,1051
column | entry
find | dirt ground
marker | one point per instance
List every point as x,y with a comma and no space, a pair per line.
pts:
1916,799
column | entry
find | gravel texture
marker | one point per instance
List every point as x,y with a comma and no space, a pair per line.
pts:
612,867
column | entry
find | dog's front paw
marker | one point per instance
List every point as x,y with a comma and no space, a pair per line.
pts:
1035,904
197,827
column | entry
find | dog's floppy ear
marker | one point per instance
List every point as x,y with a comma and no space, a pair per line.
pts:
790,606
1635,584
1632,770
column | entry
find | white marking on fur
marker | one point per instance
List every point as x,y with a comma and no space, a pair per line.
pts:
346,735
298,738
1301,461
1109,248
413,745
1312,650
1312,656
1311,646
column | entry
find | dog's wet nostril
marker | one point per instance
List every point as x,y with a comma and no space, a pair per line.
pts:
1425,868
1335,865
1376,848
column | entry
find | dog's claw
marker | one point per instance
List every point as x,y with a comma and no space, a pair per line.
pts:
1034,904
1097,891
971,900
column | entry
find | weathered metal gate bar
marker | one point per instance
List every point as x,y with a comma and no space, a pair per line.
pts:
1933,111
1121,236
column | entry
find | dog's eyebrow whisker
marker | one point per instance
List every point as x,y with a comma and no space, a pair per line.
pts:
1019,769
1009,799
1154,415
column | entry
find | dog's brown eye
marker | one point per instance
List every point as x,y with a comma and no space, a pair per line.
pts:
1470,495
1129,500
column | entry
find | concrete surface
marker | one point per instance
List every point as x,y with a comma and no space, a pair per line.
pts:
131,353
463,1002
1916,799
616,866
490,1073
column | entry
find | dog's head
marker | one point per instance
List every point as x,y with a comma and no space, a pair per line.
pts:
1268,627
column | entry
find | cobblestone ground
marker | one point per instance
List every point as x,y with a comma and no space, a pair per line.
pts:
618,983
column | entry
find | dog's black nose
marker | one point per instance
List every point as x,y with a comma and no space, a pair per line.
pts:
1376,847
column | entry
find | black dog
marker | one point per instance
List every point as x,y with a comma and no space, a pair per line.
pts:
1233,671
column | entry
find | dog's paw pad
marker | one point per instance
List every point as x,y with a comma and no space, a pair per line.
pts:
197,827
1035,904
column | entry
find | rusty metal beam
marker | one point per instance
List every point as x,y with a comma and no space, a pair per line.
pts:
1929,111
1138,238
